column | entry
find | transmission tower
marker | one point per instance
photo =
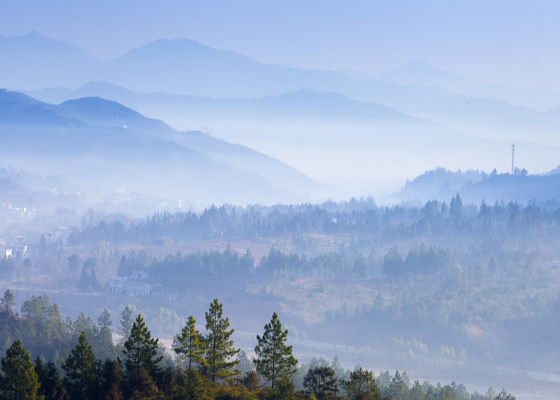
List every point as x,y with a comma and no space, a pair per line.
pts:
512,158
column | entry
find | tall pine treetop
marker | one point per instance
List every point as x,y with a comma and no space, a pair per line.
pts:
190,345
19,380
140,349
274,358
80,369
219,346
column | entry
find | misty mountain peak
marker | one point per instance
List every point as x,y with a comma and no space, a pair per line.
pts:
32,34
418,72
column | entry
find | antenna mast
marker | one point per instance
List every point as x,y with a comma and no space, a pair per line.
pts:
512,158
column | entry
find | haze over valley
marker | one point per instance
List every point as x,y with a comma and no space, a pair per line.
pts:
296,200
393,124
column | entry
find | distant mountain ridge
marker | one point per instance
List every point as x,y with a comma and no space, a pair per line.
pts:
486,118
80,139
33,61
303,102
474,186
419,72
183,66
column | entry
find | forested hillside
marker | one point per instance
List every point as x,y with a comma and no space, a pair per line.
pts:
78,360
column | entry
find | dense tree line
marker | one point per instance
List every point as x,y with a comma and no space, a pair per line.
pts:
41,329
195,269
207,366
419,260
180,271
381,224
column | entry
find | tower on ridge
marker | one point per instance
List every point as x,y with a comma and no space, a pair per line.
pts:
512,158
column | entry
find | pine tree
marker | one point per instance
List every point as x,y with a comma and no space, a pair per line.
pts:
126,324
398,388
416,393
52,387
360,266
74,262
360,385
42,247
8,300
19,380
111,375
104,335
456,208
123,268
219,347
104,320
321,381
337,367
80,368
84,284
94,284
140,349
274,359
503,395
190,344
245,365
27,266
285,389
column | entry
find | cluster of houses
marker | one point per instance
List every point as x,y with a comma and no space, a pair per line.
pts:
17,246
139,285
11,213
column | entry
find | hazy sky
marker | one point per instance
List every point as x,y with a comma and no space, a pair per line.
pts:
514,42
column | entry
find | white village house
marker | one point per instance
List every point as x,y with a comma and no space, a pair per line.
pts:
139,285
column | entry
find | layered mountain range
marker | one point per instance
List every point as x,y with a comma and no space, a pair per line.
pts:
85,141
361,134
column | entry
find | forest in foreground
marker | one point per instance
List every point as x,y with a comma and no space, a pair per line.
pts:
78,360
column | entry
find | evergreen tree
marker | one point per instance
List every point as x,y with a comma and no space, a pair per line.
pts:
219,346
74,262
52,387
337,367
447,393
104,320
245,365
198,387
94,284
27,267
123,268
126,324
19,380
360,385
321,381
398,389
360,266
80,368
456,208
274,358
8,300
285,389
111,375
105,347
190,344
416,393
141,385
140,349
42,248
84,284
505,396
